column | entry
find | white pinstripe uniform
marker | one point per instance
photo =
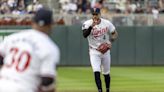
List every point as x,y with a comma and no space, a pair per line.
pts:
27,56
99,34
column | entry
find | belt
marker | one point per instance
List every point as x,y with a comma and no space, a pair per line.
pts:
92,48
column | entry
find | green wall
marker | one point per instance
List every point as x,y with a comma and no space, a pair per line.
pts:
135,45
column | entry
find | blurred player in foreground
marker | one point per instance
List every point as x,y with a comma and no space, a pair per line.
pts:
98,31
30,57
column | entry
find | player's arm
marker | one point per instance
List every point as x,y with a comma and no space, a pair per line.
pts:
86,32
48,70
87,29
113,32
114,36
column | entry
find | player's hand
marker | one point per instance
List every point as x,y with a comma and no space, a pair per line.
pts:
93,24
109,45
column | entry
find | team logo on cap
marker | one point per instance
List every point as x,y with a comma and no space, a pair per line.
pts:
94,9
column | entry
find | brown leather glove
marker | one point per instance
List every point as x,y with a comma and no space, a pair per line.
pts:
104,47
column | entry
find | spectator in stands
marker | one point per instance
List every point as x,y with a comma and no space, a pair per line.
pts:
20,4
63,1
65,8
37,6
27,2
161,6
83,6
5,9
11,4
79,6
155,13
88,7
93,2
32,8
139,8
99,4
16,12
72,7
68,6
121,6
131,7
104,10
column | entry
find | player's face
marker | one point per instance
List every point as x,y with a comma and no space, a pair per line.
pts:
96,17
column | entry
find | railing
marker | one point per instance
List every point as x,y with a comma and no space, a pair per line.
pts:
117,19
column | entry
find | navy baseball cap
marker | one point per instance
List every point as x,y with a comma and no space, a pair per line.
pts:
43,17
95,11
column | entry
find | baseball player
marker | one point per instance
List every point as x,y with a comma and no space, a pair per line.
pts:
98,31
30,57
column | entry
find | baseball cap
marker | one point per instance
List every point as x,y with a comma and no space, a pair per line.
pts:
95,11
43,17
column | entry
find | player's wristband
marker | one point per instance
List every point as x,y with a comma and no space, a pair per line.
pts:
90,28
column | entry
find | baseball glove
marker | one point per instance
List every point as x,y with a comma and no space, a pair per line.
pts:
104,47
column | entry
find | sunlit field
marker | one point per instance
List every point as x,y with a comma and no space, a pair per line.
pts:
124,79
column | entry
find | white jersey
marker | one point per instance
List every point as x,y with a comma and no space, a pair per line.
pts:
27,56
99,33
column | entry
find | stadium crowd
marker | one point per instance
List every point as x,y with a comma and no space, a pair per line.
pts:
26,7
83,6
111,6
16,8
116,7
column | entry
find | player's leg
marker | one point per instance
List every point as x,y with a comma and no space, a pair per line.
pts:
107,82
96,66
106,60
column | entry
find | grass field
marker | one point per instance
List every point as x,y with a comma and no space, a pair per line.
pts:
124,79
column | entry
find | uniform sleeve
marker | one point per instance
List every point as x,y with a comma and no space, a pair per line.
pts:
48,66
86,25
111,27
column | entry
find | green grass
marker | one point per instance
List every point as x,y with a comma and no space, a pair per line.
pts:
124,79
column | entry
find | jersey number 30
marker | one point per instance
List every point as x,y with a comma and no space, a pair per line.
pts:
19,61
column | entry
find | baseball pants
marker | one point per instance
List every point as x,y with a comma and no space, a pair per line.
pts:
100,61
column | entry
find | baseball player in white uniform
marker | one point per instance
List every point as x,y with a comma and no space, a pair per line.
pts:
30,57
98,31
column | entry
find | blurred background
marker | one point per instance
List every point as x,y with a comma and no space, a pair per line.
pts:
70,12
137,55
